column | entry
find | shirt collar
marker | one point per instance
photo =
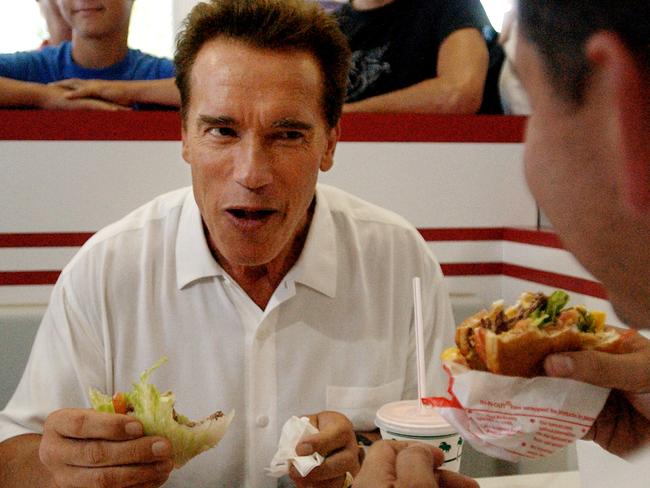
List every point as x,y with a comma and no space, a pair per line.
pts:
316,267
193,257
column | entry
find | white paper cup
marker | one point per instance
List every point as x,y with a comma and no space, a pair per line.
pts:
403,421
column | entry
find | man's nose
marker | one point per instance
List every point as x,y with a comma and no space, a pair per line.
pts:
253,168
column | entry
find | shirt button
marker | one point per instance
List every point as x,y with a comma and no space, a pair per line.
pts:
262,421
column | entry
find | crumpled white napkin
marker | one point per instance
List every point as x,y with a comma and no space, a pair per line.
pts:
293,431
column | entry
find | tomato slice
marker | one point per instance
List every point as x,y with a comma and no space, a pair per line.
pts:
119,402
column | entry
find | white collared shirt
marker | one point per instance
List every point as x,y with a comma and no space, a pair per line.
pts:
336,334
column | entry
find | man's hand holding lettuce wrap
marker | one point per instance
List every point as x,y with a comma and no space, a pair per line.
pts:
137,445
156,412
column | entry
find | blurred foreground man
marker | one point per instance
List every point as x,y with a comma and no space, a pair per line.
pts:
270,294
585,65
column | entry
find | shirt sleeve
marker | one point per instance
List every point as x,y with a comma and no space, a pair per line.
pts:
66,359
167,68
461,14
147,67
21,66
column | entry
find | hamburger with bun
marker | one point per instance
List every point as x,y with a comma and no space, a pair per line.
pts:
514,341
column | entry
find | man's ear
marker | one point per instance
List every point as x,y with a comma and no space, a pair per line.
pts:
185,150
629,87
332,138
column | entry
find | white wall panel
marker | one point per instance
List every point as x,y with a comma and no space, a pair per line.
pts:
439,184
544,258
80,186
468,251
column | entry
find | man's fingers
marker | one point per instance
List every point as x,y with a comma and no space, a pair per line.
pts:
334,466
80,423
379,465
414,466
450,479
98,453
144,474
626,372
438,456
399,464
336,432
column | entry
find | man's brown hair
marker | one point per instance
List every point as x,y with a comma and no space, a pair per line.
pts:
559,29
268,24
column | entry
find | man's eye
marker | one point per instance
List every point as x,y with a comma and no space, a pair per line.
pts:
291,135
223,132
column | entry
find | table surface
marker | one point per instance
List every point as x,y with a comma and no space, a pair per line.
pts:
567,479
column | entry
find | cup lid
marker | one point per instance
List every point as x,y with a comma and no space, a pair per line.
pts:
405,417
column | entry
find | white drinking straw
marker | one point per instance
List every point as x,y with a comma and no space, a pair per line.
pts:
419,340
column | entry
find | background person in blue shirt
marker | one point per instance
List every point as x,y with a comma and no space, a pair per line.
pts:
96,70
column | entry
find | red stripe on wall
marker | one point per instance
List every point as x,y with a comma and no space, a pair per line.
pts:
17,278
565,282
79,125
46,125
536,237
570,283
463,234
471,269
51,239
432,128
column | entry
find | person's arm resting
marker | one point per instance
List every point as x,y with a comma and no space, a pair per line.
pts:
458,88
16,93
125,93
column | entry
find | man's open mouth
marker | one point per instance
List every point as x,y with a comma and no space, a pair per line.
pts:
246,214
88,10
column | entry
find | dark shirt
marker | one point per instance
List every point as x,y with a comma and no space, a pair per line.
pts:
396,46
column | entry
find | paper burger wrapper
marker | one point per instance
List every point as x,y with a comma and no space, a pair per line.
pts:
517,418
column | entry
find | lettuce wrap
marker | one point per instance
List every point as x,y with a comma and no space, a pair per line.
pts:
156,412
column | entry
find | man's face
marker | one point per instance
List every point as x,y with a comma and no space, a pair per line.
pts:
255,137
96,18
570,158
554,147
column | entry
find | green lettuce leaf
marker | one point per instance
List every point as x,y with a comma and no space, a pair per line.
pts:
545,315
156,412
101,402
556,303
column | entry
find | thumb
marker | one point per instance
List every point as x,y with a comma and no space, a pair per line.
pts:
625,372
414,466
335,432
